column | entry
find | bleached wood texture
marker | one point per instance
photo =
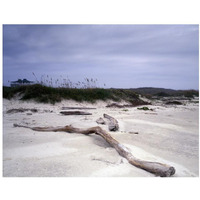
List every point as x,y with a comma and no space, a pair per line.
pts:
75,113
156,168
79,108
113,123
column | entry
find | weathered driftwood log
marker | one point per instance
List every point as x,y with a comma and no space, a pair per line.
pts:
75,113
16,110
100,121
22,110
113,123
156,168
132,132
79,108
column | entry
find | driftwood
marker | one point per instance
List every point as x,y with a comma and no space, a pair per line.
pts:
75,113
113,123
151,113
79,108
131,132
17,110
100,121
22,110
156,168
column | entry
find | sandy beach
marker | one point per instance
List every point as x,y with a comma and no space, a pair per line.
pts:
168,134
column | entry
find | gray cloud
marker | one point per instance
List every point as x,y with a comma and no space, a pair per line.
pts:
118,55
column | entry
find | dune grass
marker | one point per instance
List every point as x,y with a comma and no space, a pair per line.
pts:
45,94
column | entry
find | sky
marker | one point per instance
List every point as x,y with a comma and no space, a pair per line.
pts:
118,56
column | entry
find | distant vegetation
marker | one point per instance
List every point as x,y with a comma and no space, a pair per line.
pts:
161,92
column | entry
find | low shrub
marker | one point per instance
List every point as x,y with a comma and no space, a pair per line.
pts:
144,108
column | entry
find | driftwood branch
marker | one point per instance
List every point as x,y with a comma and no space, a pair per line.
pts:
132,132
113,123
156,168
16,110
79,108
75,113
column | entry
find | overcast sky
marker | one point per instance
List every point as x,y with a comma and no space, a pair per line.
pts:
121,56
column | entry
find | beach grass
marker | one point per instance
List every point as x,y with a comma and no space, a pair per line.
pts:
46,94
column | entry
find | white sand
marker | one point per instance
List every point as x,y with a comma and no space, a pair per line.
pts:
168,134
